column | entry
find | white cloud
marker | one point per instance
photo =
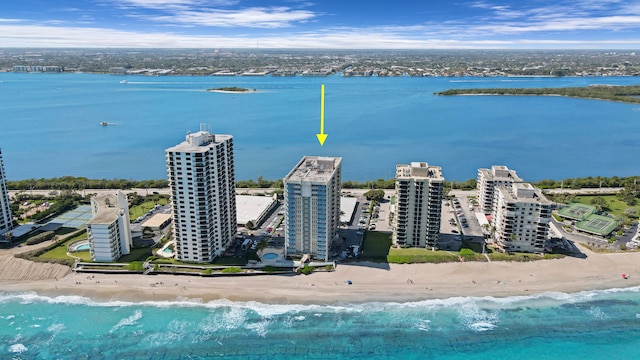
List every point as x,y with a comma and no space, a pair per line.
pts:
51,36
277,17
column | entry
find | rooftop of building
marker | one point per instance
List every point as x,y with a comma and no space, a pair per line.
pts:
523,192
108,210
200,141
156,220
501,172
419,170
249,208
314,169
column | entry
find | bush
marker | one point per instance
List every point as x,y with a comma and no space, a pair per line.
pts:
269,269
37,239
306,270
466,252
231,270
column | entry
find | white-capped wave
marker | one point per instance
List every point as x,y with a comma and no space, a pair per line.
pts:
128,321
477,319
482,326
597,313
55,328
424,325
18,348
270,310
260,327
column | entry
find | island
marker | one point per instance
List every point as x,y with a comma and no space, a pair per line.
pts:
626,94
230,89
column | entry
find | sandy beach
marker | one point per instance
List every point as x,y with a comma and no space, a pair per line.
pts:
370,281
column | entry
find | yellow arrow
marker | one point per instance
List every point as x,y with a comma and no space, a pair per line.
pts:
322,136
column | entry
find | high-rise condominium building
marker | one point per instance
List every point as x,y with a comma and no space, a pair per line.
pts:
488,180
419,190
6,220
202,182
521,218
312,206
109,230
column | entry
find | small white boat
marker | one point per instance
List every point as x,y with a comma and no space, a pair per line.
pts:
123,81
104,123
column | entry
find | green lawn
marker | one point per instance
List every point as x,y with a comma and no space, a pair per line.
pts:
615,206
60,252
419,255
136,254
139,210
376,245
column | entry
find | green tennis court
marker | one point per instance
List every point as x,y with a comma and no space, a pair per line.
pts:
576,211
597,224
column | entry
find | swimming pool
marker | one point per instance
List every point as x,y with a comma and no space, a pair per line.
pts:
269,256
83,247
167,251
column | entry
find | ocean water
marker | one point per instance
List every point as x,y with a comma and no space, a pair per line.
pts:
586,325
50,125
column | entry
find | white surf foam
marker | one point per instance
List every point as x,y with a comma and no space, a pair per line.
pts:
18,349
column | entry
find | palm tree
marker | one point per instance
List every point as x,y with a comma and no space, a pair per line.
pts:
8,236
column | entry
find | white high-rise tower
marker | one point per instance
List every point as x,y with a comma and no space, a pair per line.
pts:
312,206
202,181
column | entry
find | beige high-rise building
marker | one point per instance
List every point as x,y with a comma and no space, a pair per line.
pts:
109,230
521,218
202,182
312,206
6,219
489,180
419,191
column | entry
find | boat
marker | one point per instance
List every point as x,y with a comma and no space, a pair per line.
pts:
123,81
104,123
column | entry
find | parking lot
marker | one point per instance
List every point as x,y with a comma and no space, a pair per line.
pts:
465,209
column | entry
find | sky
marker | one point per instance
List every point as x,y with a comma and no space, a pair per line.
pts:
345,24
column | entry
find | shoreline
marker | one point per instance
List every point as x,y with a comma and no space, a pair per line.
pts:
371,282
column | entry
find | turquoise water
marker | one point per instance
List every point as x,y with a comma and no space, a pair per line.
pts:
587,325
50,125
270,256
83,247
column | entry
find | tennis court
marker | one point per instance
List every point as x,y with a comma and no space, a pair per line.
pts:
576,211
598,225
75,218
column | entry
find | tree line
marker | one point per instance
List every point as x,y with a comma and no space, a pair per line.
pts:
79,183
628,94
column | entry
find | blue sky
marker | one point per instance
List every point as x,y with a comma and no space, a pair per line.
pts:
346,24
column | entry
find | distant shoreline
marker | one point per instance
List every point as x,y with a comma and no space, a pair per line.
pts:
626,94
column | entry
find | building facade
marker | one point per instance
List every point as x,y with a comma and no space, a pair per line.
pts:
489,180
521,218
202,181
312,206
6,219
419,191
109,230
